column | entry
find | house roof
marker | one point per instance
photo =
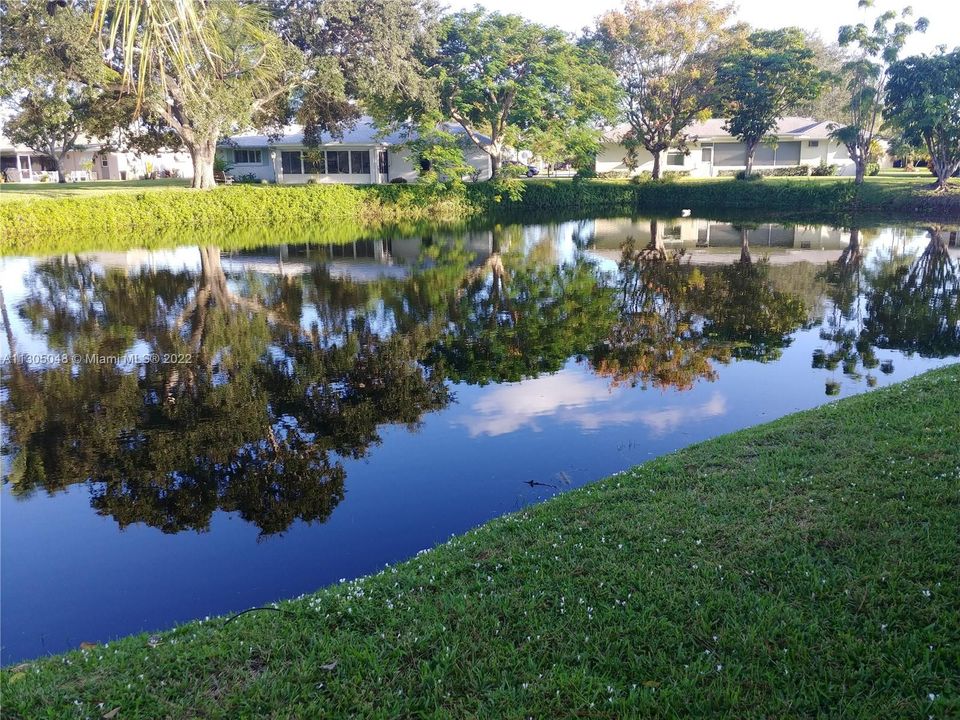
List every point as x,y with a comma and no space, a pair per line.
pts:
362,132
8,146
805,128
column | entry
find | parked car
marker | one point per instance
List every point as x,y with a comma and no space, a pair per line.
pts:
529,170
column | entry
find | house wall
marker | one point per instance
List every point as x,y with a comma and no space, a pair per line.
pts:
611,158
398,162
119,165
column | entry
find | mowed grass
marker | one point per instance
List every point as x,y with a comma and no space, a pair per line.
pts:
10,192
805,568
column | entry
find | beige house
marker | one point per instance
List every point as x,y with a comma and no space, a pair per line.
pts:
711,150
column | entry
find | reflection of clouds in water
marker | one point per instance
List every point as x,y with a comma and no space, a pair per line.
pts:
668,419
572,397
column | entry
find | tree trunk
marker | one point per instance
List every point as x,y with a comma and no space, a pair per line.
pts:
751,150
656,166
861,164
61,175
745,258
202,152
494,164
943,172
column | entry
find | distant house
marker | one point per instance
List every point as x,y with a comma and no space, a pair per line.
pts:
90,161
712,150
361,156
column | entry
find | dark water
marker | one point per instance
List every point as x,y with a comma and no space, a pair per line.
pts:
240,427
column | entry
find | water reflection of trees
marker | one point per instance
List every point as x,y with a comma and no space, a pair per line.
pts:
286,377
906,303
915,306
254,420
657,338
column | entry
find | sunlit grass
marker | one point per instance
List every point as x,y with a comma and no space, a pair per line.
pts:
32,191
804,568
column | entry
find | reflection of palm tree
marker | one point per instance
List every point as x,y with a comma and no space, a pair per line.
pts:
254,421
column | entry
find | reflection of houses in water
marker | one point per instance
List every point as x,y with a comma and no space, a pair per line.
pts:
712,241
703,233
359,261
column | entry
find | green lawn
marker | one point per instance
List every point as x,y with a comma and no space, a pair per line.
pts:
805,568
30,191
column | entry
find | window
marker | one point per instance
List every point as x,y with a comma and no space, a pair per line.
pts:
338,162
706,154
763,154
314,162
360,160
729,154
247,157
383,162
813,143
674,157
104,162
290,162
788,154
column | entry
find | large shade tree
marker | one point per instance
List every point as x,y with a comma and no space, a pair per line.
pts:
50,73
878,47
500,76
923,103
665,55
761,79
360,55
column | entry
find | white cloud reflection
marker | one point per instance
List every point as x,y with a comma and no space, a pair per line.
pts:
586,401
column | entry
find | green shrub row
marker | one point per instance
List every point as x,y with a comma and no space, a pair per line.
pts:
789,171
100,218
160,217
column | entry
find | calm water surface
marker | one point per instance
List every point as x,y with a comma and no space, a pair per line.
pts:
220,429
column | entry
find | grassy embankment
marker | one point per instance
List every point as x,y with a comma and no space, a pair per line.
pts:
95,216
804,568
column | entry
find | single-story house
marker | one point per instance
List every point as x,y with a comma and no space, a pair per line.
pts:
90,161
712,150
363,155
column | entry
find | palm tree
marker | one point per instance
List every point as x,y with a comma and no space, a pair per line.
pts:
203,66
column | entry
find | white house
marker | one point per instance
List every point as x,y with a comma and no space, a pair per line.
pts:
712,150
362,156
90,161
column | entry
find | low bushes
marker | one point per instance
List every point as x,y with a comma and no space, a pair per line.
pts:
824,170
790,171
155,217
238,206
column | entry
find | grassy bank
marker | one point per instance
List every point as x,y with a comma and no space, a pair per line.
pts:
803,568
120,218
154,218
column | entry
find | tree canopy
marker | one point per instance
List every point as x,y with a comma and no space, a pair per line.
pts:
866,73
763,77
665,55
500,76
923,105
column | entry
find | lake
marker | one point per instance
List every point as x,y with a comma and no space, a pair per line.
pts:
197,431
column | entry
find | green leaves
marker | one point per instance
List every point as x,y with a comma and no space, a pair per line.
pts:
504,76
760,80
665,58
923,104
